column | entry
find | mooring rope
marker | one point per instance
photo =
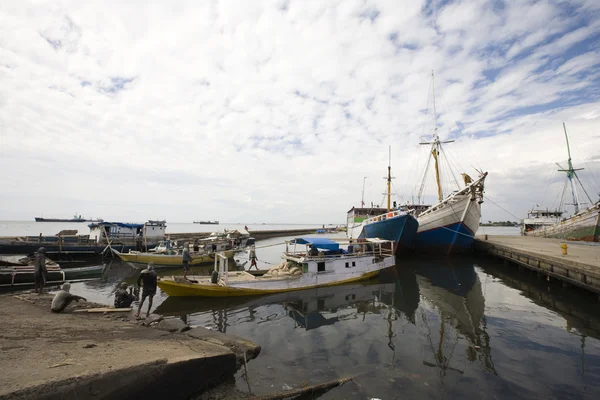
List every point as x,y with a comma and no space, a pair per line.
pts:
499,206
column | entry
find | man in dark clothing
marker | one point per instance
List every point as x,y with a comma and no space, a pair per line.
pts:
123,299
186,258
63,298
39,270
313,252
148,277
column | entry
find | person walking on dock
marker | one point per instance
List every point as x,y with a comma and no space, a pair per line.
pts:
148,277
39,270
253,258
186,258
63,298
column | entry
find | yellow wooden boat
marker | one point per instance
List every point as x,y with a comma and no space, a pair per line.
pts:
171,259
299,270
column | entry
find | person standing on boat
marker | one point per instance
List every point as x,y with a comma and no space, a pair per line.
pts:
186,258
39,270
148,277
253,258
139,241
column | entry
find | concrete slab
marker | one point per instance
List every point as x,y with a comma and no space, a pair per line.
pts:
579,252
67,355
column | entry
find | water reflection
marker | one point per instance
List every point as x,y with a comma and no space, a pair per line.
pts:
454,291
427,328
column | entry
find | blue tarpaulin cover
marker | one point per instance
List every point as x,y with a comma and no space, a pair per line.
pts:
320,243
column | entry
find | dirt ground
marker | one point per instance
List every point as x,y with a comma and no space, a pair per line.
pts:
40,347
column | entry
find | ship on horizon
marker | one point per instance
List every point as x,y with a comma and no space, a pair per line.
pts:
76,218
207,222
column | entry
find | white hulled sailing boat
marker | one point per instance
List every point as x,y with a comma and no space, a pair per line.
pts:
582,225
450,225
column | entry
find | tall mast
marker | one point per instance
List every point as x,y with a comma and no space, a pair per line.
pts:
389,180
362,200
435,148
571,174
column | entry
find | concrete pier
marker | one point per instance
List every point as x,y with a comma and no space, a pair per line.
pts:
83,356
579,267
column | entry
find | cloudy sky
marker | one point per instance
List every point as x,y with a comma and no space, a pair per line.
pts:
275,111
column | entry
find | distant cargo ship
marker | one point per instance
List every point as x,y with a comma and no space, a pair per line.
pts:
207,222
76,218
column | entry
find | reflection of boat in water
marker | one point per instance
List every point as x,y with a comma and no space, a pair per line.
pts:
309,312
457,295
333,297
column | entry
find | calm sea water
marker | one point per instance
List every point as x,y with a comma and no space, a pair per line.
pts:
462,327
32,228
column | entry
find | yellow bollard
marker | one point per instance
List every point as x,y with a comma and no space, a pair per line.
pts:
564,249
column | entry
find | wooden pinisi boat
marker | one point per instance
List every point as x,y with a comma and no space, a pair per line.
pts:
337,262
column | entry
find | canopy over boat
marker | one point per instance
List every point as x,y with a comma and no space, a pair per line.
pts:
320,243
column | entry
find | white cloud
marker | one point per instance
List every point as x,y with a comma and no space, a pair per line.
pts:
276,110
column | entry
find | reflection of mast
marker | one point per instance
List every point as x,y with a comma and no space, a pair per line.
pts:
441,361
458,296
220,320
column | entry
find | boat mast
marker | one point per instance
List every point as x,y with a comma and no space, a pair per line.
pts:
362,200
389,179
436,145
572,174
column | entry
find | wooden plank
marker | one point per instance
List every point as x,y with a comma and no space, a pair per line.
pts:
102,310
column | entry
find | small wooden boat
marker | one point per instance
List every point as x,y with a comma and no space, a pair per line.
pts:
14,259
171,260
23,275
338,261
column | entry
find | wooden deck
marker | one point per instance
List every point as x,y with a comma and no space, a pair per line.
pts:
580,267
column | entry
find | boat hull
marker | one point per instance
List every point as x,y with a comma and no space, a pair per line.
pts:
212,290
450,228
28,247
584,226
24,276
168,259
401,229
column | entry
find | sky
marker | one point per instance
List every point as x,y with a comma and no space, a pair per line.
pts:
276,111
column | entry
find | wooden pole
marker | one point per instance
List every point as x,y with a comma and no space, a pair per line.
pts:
145,238
305,390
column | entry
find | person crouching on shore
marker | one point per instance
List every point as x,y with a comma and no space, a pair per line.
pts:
63,298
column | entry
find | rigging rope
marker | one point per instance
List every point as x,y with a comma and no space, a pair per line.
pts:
499,206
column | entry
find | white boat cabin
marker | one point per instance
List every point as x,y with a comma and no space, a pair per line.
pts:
119,230
322,255
537,219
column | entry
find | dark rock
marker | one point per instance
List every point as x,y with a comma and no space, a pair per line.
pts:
172,325
89,346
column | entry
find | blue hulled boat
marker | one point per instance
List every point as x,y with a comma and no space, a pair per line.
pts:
384,223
